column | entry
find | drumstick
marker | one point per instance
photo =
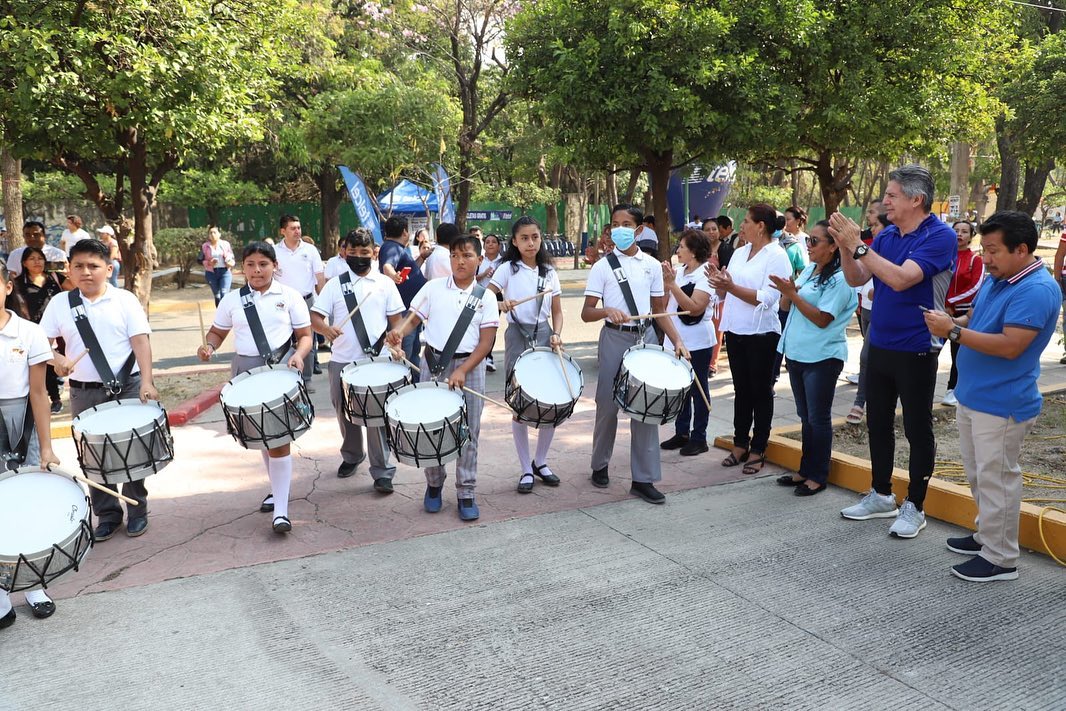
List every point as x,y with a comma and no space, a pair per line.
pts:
641,317
93,484
351,313
415,368
203,331
75,361
703,393
566,376
519,302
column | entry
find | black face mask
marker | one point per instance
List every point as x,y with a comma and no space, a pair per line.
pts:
359,265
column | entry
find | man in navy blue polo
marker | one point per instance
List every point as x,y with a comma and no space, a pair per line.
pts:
911,263
1000,342
397,263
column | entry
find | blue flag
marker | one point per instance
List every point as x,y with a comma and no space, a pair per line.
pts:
364,209
443,188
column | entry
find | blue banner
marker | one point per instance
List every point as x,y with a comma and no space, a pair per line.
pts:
442,186
364,209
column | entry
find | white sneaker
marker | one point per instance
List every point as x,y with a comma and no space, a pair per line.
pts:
949,399
490,364
908,523
852,378
873,505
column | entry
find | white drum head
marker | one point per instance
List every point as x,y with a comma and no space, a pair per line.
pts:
423,405
540,375
114,420
260,388
37,511
658,369
373,374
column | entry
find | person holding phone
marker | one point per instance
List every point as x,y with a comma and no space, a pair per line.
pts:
396,262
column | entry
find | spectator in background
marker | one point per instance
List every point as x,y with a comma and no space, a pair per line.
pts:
873,213
965,283
33,235
1060,274
720,254
37,286
337,264
797,257
72,234
397,263
647,239
866,303
602,246
475,231
216,255
106,235
439,262
1001,339
725,229
300,267
415,248
490,260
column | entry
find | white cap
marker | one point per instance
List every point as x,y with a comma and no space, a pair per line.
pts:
106,230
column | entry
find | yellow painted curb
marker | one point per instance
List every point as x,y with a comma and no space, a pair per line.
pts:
61,429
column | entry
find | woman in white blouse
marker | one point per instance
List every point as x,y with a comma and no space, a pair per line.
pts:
752,330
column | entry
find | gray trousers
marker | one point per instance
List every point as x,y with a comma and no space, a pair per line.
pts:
312,357
12,421
107,508
466,466
352,451
515,342
644,437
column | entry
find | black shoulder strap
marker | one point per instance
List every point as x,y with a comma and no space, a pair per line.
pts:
623,283
256,325
458,331
96,354
348,290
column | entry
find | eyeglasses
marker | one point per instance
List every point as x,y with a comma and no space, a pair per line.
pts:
813,241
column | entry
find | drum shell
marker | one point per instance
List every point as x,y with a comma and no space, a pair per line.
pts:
427,444
365,405
533,412
280,421
16,573
648,403
129,455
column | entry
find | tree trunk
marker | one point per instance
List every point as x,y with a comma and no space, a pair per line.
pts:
631,188
11,170
659,173
212,215
552,209
1007,194
833,182
960,174
612,186
572,201
330,203
1033,188
140,259
794,179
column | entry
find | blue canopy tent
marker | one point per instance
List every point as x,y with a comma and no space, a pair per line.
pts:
406,198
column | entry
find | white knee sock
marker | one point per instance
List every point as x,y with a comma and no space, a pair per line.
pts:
35,596
280,479
5,603
544,442
521,445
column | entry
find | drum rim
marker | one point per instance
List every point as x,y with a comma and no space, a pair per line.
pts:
112,404
255,371
656,347
384,387
580,374
70,538
390,421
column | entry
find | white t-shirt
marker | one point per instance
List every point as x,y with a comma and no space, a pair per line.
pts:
335,266
281,310
740,317
645,277
438,264
22,344
379,299
523,283
51,254
69,239
701,335
298,267
486,265
116,316
439,304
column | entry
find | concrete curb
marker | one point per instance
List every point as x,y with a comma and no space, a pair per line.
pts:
194,406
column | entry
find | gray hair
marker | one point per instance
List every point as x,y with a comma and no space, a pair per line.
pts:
915,181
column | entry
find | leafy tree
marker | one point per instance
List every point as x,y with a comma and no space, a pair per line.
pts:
210,189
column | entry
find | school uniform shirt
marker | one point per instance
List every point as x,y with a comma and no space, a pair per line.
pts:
438,264
699,336
486,265
439,304
298,267
741,318
645,276
335,266
281,310
517,285
22,344
51,254
379,298
115,317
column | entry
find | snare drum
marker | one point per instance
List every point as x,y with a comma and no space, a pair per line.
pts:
652,384
123,440
366,386
267,407
425,424
44,527
537,390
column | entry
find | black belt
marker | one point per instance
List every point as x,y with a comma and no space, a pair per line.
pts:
84,386
626,329
437,353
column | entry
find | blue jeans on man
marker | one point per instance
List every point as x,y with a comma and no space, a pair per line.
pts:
813,386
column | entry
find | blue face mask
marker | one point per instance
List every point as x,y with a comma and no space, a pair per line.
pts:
623,237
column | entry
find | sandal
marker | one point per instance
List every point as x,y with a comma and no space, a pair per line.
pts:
732,460
755,465
855,415
525,483
550,479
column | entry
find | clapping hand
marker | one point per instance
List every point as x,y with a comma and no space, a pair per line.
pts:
845,232
787,287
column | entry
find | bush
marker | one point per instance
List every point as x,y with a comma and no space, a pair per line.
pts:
180,247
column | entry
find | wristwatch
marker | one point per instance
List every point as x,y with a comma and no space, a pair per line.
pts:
861,251
954,334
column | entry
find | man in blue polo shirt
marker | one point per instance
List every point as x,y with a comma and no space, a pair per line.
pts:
911,262
1000,342
394,258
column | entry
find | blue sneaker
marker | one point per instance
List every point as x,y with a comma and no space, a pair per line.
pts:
468,510
432,502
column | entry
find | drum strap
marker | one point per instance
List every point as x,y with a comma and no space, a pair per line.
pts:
112,382
623,284
348,289
542,279
439,365
262,345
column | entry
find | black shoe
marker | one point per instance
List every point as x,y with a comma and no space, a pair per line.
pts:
42,610
316,370
549,479
105,530
787,480
346,469
8,619
137,526
525,483
804,490
268,504
57,407
282,524
965,545
383,485
600,479
979,570
693,448
648,492
324,347
676,442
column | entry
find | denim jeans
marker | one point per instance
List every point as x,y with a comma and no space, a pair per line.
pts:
695,409
115,271
813,386
219,280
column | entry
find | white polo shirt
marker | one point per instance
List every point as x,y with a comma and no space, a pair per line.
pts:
439,304
22,344
486,265
51,254
645,277
438,264
281,310
379,298
299,266
72,238
523,283
698,336
335,266
116,316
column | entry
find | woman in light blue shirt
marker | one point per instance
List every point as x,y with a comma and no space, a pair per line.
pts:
816,347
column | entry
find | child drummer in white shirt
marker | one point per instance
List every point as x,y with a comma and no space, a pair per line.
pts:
439,304
283,314
380,308
644,275
516,277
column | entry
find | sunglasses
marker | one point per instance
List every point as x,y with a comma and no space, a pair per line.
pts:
813,241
